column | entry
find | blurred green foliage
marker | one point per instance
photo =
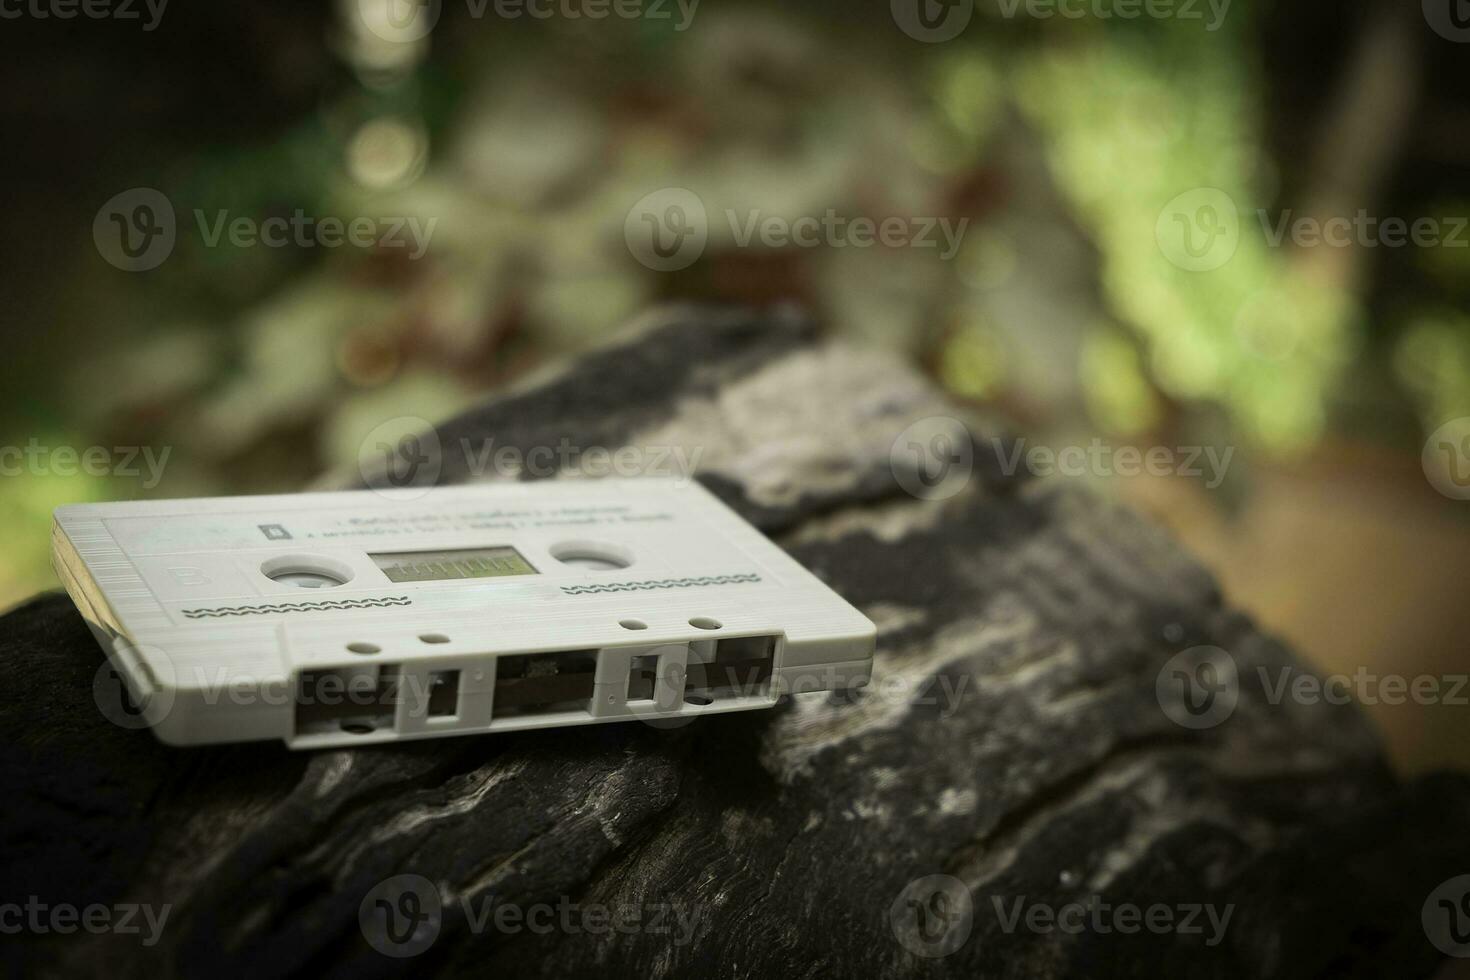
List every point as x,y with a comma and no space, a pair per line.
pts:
1061,141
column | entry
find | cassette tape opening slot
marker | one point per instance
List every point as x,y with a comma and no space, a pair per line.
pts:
741,667
530,684
642,677
357,701
444,694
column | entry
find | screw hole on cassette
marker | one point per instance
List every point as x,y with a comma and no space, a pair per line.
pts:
364,648
632,624
698,699
357,728
433,638
705,623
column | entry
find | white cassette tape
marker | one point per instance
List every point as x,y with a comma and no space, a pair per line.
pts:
329,619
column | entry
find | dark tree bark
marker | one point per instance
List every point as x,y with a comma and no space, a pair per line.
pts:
1014,739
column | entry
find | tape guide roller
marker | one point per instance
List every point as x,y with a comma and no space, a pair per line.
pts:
354,617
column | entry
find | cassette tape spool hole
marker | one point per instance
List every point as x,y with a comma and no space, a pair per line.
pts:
592,556
306,571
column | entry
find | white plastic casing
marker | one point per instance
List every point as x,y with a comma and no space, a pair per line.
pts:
194,603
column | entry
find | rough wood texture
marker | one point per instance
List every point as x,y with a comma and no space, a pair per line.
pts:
1028,622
